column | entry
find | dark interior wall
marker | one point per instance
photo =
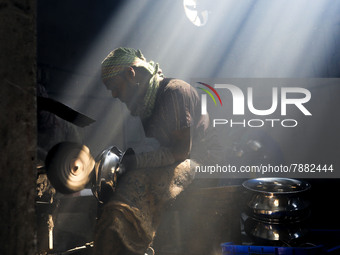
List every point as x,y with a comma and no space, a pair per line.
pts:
18,126
66,31
67,28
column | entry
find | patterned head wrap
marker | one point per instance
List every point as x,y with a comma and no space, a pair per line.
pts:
121,58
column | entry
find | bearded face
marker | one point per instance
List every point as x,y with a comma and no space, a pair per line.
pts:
127,91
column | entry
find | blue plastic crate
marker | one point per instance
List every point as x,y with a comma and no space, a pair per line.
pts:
230,249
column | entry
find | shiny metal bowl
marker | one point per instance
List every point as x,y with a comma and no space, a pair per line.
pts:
265,231
277,199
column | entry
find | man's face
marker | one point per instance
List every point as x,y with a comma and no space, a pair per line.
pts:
127,91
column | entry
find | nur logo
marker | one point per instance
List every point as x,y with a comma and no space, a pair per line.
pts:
204,97
239,99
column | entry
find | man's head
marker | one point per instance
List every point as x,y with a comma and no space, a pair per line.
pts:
126,74
121,58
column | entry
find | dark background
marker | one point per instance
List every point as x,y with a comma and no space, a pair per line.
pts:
74,36
68,39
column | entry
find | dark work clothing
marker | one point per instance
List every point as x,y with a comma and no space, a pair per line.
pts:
177,107
177,121
135,209
161,175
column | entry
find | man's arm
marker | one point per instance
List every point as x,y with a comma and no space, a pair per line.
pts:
163,156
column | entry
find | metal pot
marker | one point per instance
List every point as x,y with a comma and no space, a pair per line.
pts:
262,231
277,199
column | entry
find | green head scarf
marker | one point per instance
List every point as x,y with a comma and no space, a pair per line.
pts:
121,58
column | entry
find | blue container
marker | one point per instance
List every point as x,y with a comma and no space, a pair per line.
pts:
230,249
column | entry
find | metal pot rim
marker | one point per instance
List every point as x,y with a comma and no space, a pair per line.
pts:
283,186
